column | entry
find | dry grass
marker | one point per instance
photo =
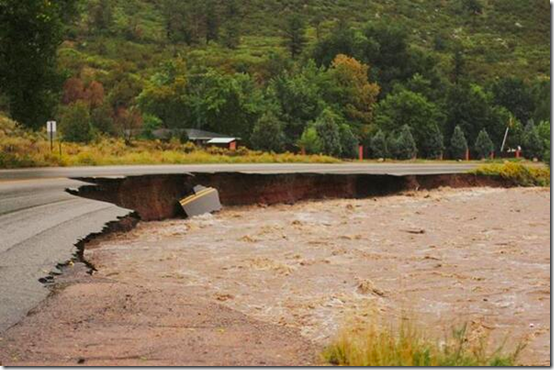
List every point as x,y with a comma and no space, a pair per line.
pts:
408,346
20,148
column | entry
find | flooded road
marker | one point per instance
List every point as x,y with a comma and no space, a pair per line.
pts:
442,257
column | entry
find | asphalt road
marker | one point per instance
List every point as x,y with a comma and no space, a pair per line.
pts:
384,168
40,223
39,226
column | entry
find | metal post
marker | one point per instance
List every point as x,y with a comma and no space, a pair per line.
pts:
505,138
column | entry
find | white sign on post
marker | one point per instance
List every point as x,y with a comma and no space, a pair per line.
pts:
51,130
51,126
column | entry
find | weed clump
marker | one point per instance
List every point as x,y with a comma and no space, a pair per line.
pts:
374,346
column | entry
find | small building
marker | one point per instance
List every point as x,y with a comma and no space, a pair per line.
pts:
224,142
199,137
207,138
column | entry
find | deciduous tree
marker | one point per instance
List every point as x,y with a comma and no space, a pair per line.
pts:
75,123
350,90
30,33
268,134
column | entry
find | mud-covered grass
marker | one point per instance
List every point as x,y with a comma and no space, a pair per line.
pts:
516,173
409,346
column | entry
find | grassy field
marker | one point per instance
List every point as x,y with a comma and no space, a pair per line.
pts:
22,148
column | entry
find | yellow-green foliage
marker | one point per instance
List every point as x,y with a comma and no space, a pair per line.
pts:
517,173
20,148
374,346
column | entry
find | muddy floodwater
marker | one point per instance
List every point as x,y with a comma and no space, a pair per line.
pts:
443,258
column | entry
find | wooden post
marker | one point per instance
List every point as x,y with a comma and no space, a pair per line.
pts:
492,154
361,152
518,153
467,154
302,150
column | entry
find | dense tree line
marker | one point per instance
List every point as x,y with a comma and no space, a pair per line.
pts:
353,85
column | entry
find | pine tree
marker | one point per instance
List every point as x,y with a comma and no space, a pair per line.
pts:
348,142
393,146
231,31
458,144
406,146
378,145
310,141
434,143
483,145
532,143
295,33
328,131
212,22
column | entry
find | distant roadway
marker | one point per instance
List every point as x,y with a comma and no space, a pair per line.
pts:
40,223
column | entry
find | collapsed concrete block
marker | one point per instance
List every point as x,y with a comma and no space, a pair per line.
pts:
204,200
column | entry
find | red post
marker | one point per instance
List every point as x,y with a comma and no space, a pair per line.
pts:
361,152
233,145
467,154
492,155
518,153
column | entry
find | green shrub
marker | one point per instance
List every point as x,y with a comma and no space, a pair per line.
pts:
517,173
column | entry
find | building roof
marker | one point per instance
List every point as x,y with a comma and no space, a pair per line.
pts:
222,140
195,134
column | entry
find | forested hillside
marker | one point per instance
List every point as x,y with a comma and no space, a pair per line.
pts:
398,76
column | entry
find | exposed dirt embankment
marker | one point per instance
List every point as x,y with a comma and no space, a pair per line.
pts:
154,197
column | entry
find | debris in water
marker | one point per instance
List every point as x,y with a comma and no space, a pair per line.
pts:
415,231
